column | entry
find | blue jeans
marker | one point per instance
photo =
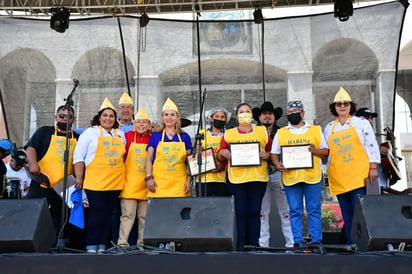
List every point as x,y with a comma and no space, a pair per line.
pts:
312,195
347,203
101,206
248,201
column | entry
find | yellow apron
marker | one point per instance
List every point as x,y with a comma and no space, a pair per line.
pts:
312,175
349,162
52,163
213,142
244,174
169,169
135,186
107,170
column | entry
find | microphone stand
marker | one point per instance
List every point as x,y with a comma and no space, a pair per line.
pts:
198,148
202,99
64,216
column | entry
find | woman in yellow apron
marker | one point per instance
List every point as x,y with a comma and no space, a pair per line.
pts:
354,156
246,183
99,168
166,173
213,183
133,198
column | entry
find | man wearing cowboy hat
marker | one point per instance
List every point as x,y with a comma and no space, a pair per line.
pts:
267,116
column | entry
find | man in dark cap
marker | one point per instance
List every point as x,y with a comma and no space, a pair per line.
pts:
6,147
267,116
367,114
301,184
16,172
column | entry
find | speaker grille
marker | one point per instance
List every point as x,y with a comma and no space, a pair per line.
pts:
191,224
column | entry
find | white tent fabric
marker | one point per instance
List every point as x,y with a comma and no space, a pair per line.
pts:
306,58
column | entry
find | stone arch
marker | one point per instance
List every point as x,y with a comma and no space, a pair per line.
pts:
27,81
230,75
346,62
101,74
404,77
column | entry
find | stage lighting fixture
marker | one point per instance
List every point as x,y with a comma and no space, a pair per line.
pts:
59,20
257,16
144,20
343,9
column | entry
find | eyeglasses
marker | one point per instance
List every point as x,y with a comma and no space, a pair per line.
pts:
62,116
342,104
126,107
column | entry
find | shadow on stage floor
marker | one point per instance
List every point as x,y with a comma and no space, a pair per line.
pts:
149,260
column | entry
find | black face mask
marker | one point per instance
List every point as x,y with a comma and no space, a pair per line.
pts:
63,126
294,118
219,124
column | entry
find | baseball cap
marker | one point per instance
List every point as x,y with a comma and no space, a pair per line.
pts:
366,112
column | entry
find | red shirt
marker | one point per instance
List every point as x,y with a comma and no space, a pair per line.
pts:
140,139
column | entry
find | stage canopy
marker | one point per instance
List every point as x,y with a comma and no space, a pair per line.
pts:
222,55
89,7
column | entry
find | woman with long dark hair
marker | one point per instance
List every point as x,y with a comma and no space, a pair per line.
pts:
100,170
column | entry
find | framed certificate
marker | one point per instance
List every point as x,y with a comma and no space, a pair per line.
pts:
245,154
297,156
208,162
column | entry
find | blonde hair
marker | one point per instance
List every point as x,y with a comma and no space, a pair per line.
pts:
178,125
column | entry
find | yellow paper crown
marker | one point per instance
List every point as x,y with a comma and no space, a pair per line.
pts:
169,105
142,114
125,99
107,104
342,95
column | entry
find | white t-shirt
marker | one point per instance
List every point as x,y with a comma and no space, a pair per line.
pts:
22,175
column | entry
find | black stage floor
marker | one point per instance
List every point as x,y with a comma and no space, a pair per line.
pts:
164,261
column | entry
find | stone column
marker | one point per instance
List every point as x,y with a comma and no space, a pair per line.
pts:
63,89
149,96
300,88
385,88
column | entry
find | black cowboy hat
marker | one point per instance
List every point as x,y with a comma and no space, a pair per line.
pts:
267,106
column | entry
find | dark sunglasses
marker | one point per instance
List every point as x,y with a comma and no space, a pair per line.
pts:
62,116
342,104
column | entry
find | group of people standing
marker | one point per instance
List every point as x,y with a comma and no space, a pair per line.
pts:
122,162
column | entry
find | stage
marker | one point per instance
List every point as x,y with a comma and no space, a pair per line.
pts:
158,261
197,226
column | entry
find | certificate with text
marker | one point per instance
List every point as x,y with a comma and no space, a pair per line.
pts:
297,156
208,162
245,154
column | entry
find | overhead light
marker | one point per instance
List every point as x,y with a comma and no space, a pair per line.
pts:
343,9
257,16
59,20
144,20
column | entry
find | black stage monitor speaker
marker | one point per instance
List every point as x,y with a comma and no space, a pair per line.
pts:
26,226
382,220
191,224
